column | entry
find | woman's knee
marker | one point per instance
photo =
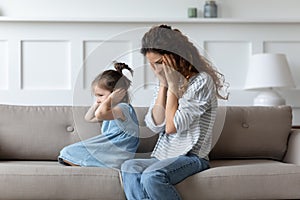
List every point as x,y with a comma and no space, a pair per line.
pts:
127,165
152,178
137,165
131,166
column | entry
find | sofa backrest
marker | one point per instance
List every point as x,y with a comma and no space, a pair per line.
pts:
40,132
253,132
240,132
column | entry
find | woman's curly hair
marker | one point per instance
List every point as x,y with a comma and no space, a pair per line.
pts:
165,40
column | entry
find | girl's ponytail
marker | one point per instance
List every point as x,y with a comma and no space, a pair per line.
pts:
120,66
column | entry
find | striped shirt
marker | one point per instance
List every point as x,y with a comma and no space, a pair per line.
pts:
193,120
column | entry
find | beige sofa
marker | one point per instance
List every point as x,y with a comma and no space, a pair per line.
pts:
257,156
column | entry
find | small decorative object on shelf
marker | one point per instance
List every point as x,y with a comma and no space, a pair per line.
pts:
192,12
210,9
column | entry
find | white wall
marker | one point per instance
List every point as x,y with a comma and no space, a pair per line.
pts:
32,52
146,8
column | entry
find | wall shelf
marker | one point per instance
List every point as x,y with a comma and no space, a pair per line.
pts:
151,20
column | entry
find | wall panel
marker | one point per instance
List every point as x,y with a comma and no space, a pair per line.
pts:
3,65
99,55
45,65
229,56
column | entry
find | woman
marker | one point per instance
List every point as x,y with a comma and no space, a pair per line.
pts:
183,113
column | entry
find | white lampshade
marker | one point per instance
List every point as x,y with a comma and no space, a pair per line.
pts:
266,72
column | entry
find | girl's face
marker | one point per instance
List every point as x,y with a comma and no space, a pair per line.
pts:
101,94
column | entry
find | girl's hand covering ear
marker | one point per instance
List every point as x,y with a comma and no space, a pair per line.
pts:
117,95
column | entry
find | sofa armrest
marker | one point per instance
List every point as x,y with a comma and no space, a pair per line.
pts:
293,151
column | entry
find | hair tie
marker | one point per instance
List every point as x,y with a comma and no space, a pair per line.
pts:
127,73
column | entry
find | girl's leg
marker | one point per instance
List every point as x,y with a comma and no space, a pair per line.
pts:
159,179
131,175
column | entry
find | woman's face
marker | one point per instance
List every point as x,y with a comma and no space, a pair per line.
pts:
156,60
101,94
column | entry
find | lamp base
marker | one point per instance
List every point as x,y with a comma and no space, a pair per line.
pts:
268,98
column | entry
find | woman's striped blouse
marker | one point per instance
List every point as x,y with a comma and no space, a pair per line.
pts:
193,120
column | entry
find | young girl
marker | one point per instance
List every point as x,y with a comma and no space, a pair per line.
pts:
183,113
120,130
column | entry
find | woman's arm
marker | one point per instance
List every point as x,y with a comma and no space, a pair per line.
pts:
158,110
171,108
174,80
155,126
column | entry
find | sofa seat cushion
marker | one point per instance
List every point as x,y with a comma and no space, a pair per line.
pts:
50,180
244,179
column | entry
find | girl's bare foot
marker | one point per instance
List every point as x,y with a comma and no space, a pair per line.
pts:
72,164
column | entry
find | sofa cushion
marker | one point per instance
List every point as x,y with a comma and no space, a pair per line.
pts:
40,132
50,180
254,132
243,179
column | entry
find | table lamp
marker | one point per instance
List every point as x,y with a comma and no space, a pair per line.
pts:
267,72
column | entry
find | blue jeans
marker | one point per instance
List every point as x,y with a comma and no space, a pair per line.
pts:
155,179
